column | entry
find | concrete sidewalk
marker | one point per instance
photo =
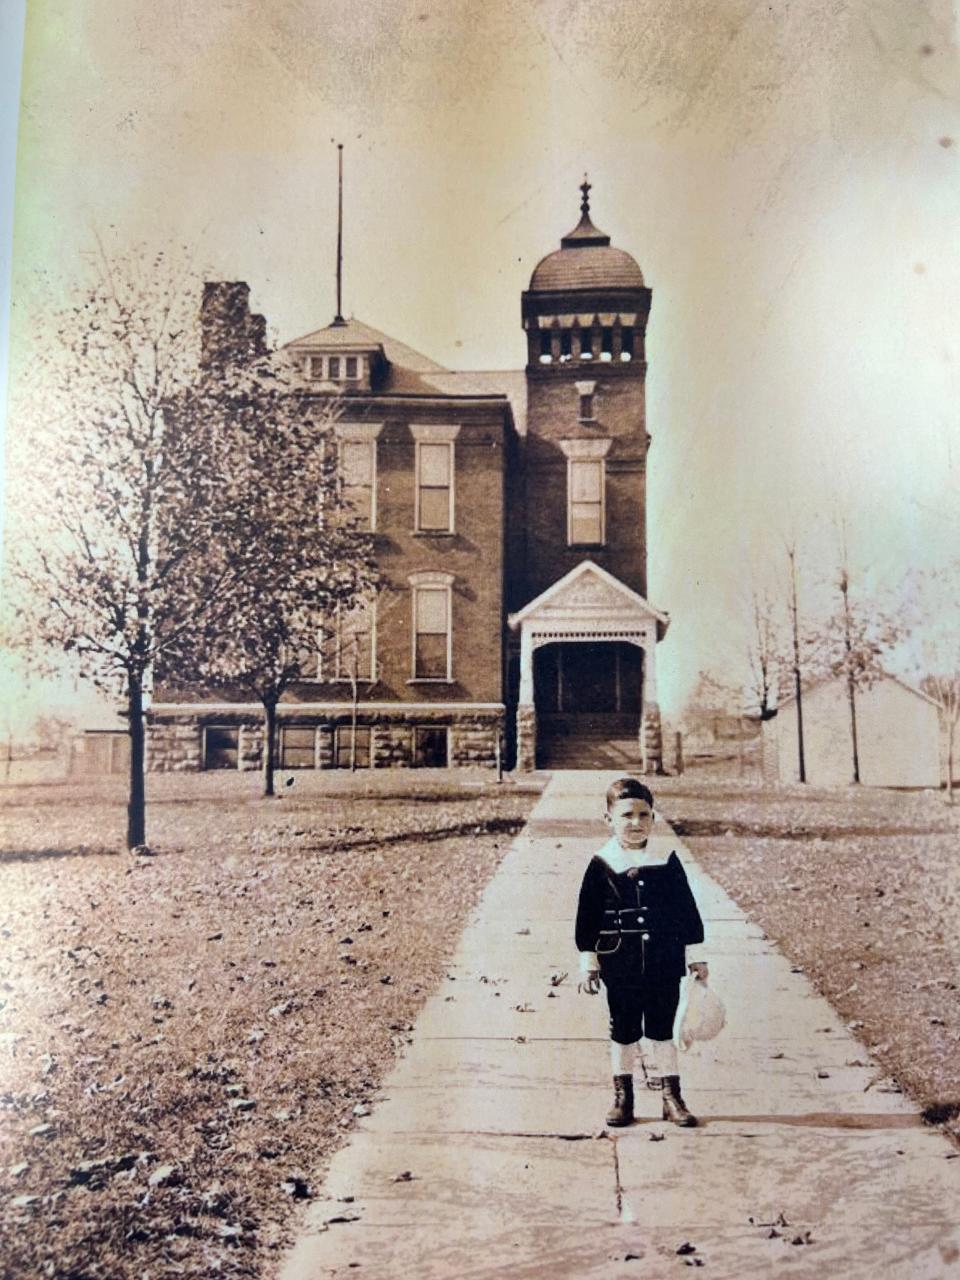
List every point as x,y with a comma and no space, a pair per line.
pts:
481,1157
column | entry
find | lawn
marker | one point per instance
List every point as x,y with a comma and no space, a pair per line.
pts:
861,889
185,1039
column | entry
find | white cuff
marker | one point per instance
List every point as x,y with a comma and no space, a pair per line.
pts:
588,961
697,953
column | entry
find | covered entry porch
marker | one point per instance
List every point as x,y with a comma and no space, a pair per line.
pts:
587,695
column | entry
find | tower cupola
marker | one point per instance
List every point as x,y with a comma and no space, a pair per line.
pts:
587,302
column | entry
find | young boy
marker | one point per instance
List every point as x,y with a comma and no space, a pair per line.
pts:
638,929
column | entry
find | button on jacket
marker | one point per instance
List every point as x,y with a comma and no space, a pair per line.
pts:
638,921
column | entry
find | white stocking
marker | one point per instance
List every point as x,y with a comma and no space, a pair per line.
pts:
660,1057
621,1058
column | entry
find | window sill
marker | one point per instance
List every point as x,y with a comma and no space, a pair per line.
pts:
434,533
586,546
431,680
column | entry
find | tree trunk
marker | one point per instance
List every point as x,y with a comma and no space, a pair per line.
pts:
854,740
851,682
137,799
797,683
269,746
354,700
951,734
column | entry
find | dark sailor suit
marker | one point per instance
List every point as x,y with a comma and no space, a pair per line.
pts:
638,922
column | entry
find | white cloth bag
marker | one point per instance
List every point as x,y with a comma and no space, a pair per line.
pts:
701,1014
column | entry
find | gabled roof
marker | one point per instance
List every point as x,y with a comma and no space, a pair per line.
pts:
808,686
354,333
575,592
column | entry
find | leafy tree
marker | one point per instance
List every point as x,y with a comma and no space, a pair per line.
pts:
290,545
116,466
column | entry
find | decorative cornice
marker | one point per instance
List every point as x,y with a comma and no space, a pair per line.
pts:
590,448
435,432
357,430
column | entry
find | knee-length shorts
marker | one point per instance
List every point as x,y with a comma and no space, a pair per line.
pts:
647,1009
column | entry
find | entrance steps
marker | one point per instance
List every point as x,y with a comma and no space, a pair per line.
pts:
588,751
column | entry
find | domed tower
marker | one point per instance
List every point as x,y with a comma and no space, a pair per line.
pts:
585,316
587,632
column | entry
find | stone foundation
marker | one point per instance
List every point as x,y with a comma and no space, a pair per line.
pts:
176,740
651,740
526,738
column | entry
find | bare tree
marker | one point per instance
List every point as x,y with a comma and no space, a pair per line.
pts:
940,660
764,651
115,470
859,632
795,644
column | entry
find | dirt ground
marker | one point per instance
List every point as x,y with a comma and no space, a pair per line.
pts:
185,1039
861,889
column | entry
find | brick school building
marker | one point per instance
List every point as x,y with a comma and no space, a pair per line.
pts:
509,510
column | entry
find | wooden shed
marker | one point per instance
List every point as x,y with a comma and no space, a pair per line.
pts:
898,736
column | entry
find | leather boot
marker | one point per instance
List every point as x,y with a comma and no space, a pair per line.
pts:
621,1113
674,1107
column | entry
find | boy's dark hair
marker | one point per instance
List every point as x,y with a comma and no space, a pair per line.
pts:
628,789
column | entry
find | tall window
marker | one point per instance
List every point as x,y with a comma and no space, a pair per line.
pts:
354,643
358,476
585,481
431,632
435,486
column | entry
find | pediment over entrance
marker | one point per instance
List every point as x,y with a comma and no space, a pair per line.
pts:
588,599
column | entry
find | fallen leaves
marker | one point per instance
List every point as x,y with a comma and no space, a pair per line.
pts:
881,886
185,1017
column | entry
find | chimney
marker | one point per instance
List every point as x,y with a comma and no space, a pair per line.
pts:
229,333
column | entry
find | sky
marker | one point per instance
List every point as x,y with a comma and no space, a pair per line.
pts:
787,174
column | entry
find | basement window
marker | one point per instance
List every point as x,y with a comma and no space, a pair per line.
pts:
430,747
221,746
352,746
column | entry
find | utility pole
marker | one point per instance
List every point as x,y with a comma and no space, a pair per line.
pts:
338,318
797,684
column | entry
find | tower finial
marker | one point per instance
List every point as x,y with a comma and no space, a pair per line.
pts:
585,202
338,318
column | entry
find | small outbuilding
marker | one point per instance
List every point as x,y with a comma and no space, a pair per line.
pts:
898,736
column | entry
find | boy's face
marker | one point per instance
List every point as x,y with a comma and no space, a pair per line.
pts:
630,820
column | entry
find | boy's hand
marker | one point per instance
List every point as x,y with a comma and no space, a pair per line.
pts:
591,982
699,969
